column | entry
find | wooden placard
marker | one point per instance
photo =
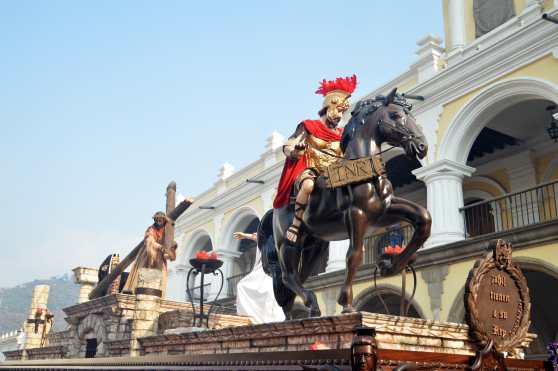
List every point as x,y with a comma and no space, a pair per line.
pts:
497,304
350,171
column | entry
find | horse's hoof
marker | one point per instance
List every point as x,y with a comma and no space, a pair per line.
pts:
315,312
348,309
312,305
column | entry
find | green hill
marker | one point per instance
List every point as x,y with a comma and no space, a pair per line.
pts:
15,301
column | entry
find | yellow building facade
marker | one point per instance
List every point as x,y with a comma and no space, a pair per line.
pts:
491,172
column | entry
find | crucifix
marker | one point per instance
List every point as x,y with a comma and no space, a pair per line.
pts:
169,245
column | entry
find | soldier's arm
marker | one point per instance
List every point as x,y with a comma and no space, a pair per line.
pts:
296,143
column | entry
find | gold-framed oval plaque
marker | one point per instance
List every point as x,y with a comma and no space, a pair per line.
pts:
497,304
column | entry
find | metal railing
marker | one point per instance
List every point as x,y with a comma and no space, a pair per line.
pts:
528,207
232,281
375,245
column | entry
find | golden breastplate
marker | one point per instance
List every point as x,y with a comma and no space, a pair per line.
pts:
321,153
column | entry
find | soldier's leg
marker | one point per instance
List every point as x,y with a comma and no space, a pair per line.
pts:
301,201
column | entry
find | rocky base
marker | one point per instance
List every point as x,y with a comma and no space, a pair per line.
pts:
335,332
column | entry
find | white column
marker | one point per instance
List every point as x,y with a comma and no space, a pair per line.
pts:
444,187
337,255
456,13
228,258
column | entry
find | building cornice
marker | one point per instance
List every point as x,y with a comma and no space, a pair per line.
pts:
513,46
232,198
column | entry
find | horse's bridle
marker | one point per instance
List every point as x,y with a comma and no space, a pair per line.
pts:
407,135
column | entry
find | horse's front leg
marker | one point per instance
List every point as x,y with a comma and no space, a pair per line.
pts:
416,215
356,221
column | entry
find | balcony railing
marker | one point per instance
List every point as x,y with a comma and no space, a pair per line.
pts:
232,281
374,245
528,207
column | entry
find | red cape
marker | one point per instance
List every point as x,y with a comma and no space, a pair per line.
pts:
293,168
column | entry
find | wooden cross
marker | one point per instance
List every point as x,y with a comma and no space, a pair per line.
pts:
172,214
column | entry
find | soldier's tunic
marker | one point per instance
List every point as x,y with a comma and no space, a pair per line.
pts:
322,148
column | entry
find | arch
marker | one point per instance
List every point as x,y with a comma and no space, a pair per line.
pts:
370,295
91,327
245,219
542,279
498,220
239,220
457,310
474,115
197,239
484,179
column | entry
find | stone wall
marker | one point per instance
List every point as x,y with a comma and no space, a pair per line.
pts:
12,340
176,320
336,332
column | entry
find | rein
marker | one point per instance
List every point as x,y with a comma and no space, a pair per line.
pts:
343,158
407,136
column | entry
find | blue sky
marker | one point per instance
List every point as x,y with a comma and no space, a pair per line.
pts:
103,103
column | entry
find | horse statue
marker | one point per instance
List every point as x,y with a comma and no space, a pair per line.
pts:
353,211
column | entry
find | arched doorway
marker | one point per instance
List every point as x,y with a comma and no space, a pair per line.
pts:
244,251
200,240
247,248
501,133
385,300
479,217
544,301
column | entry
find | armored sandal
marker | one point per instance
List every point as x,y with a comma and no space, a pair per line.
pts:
295,229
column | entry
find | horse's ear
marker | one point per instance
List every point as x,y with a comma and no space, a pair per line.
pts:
391,97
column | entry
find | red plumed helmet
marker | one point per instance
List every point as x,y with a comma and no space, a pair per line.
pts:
346,84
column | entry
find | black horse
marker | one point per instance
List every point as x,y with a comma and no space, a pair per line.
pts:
351,212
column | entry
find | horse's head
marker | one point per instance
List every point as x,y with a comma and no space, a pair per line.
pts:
383,120
397,126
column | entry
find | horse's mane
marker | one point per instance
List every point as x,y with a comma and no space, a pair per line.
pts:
358,117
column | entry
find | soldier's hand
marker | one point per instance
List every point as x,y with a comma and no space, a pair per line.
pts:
297,151
189,200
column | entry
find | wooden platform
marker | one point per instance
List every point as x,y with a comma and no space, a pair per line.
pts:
323,360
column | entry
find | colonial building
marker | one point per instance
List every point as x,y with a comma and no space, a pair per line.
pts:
491,172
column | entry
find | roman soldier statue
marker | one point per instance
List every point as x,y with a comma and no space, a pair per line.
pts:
314,145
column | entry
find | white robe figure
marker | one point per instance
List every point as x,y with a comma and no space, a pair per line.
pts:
254,295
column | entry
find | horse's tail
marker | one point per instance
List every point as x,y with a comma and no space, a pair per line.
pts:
270,260
266,243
